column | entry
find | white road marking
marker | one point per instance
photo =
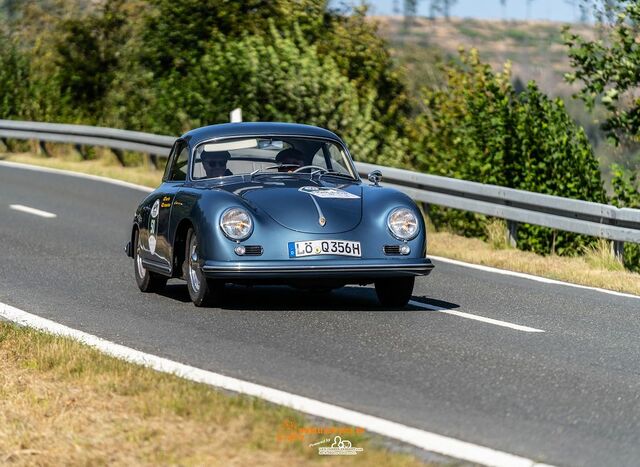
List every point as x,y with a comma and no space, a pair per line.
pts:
69,173
523,275
422,439
34,211
474,317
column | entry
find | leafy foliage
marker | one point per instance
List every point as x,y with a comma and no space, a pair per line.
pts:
14,72
270,77
88,56
176,33
478,128
167,66
608,69
626,190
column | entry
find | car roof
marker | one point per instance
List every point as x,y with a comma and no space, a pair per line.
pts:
226,130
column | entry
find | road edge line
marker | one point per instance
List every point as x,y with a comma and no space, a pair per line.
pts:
479,318
533,277
71,173
419,438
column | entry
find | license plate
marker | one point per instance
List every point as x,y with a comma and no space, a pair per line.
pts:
324,247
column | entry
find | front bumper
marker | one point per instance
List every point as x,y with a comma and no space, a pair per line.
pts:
308,269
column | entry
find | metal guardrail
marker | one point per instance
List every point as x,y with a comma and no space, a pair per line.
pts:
516,206
87,135
584,217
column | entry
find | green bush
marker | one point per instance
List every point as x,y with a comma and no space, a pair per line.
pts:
183,64
478,128
607,69
14,74
626,189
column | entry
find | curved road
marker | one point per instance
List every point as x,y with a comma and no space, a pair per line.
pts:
567,396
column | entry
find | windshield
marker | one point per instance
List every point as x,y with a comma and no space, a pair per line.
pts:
271,155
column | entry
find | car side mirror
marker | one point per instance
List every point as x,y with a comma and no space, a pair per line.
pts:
375,177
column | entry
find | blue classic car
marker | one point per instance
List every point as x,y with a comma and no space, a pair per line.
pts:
274,203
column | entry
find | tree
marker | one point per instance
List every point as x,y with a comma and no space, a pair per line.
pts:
89,51
609,71
176,31
529,3
556,158
271,77
442,7
476,127
361,55
626,194
410,11
14,74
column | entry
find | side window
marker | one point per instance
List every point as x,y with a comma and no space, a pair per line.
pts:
170,159
179,167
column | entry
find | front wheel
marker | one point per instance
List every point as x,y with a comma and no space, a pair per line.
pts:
202,291
395,292
147,281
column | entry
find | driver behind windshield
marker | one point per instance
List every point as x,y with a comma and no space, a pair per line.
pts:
290,159
215,163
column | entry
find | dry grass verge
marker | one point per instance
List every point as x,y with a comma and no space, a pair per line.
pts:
596,268
105,166
63,403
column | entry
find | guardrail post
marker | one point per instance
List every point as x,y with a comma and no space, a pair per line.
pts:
119,155
81,150
153,158
617,248
425,209
44,149
512,233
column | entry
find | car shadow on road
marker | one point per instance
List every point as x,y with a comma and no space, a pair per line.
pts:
177,292
283,298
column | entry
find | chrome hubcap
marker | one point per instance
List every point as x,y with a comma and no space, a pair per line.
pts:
141,270
193,265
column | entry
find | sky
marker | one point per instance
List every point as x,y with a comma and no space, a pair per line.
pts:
554,10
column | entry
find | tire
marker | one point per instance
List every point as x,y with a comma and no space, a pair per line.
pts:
395,292
203,291
147,281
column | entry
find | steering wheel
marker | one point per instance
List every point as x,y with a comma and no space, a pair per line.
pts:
300,169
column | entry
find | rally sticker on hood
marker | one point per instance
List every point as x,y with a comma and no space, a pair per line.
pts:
324,192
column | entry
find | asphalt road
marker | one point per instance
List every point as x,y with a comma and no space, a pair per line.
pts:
568,396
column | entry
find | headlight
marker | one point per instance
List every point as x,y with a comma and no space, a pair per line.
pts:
403,224
236,223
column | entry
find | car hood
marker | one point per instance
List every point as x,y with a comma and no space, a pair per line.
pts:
307,206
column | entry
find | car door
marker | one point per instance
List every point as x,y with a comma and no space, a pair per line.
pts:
160,219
